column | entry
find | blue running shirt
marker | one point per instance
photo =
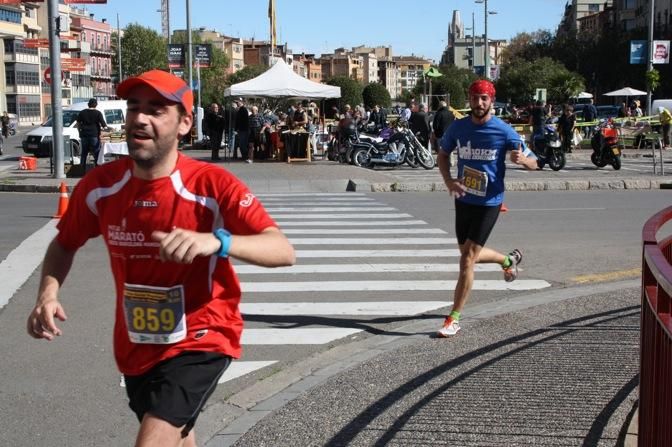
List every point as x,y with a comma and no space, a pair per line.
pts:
481,156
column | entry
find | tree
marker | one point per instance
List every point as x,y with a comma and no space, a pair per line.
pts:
376,93
519,81
351,92
246,73
452,86
528,46
142,49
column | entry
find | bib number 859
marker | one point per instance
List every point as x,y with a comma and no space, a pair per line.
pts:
153,320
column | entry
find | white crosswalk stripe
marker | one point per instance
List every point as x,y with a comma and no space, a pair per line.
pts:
349,229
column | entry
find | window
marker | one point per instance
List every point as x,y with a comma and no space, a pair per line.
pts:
10,16
629,4
83,36
592,7
114,116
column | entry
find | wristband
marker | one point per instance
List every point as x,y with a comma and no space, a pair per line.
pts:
225,238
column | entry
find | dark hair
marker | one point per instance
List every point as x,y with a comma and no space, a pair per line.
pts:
93,102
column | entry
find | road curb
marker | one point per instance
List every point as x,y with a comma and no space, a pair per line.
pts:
360,185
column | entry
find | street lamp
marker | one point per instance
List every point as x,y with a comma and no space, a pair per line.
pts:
473,42
486,43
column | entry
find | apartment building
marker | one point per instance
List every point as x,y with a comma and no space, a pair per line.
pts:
577,9
411,69
343,63
98,34
231,46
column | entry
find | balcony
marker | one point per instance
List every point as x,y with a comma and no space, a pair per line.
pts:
101,50
101,74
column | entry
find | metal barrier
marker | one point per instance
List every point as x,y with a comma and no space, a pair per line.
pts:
655,379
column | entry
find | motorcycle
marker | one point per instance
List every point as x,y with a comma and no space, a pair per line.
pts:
548,149
396,151
605,146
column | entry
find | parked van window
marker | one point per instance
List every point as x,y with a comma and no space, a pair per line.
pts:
114,116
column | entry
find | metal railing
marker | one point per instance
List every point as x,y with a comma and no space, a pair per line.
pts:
655,383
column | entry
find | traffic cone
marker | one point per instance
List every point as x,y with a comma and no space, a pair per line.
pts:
504,208
62,201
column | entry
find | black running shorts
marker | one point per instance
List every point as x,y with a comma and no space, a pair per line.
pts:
176,389
474,222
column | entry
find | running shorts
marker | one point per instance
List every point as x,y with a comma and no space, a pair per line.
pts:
474,222
176,389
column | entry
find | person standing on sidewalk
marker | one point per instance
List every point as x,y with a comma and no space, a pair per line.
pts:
481,142
443,118
171,225
665,118
90,123
242,130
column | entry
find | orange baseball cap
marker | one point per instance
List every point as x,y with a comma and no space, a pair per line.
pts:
167,85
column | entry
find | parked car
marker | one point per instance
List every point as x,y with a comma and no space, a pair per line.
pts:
604,112
38,141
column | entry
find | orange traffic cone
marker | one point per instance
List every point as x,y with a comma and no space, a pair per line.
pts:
504,208
62,201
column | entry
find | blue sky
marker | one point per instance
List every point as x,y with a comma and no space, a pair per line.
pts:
319,26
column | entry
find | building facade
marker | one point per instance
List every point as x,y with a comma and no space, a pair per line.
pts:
98,36
411,69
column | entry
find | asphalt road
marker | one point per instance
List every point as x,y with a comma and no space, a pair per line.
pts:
68,393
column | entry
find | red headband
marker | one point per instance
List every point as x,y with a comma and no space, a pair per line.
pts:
482,87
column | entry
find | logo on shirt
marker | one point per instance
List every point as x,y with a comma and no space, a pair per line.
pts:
145,204
247,201
469,153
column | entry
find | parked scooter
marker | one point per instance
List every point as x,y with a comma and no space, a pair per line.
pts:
548,149
605,146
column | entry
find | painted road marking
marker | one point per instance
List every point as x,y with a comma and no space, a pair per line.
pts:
374,241
246,269
345,223
388,308
344,216
21,262
240,368
309,194
376,253
321,209
295,336
609,276
372,286
329,232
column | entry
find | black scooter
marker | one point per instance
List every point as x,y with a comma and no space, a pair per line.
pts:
548,149
605,147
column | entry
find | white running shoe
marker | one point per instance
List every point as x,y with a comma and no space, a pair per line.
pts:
450,328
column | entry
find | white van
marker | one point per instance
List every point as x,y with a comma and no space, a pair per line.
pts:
38,141
667,103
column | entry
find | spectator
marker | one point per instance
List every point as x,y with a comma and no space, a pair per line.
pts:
623,111
566,124
443,118
4,120
637,110
90,123
665,121
256,122
419,125
214,128
589,114
538,118
242,130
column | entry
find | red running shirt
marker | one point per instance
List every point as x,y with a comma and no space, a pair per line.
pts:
126,210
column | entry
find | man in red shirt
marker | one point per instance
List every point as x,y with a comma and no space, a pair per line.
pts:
170,224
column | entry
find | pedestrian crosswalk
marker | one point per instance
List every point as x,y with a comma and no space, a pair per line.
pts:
349,266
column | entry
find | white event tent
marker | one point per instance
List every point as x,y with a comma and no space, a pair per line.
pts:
280,81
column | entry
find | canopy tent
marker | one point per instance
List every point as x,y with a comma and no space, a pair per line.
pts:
280,81
626,91
583,95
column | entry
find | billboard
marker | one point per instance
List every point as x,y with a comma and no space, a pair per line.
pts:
175,55
638,51
661,52
203,54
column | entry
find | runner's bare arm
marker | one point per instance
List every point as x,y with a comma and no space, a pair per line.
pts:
455,186
521,159
270,248
55,267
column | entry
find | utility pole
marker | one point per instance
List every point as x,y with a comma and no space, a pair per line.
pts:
121,77
650,51
473,42
56,106
189,63
487,44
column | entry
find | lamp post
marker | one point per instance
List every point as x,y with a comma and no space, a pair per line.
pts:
473,42
486,44
650,55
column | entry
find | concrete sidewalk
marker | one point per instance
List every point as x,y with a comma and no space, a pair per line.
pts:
558,367
327,176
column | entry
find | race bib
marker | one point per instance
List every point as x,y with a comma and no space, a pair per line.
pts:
154,315
475,181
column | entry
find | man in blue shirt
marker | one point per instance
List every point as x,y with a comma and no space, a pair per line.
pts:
481,141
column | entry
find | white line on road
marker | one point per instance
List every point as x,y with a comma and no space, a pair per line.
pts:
322,209
376,253
374,241
321,201
344,223
247,269
23,260
359,286
309,194
344,216
558,209
295,336
331,231
386,308
240,368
